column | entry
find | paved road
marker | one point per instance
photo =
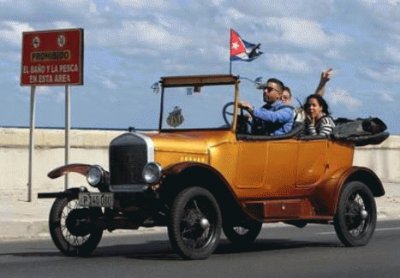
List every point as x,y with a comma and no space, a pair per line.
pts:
20,219
283,251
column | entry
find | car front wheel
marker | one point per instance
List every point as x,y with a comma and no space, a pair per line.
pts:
72,227
355,219
194,227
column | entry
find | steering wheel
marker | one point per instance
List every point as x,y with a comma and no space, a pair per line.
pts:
243,120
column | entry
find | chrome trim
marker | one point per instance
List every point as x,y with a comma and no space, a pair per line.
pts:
150,146
129,187
133,188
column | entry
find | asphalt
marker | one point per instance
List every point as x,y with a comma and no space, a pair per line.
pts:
24,220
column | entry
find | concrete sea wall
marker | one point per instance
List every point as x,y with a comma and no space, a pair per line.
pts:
91,147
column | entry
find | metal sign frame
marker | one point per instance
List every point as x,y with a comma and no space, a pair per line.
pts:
51,58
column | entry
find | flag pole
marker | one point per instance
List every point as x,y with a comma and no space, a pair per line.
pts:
230,45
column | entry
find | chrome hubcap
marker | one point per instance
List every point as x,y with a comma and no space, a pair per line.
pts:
204,223
364,214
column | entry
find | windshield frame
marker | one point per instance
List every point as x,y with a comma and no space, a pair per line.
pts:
198,81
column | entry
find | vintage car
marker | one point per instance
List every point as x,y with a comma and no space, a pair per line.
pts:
202,172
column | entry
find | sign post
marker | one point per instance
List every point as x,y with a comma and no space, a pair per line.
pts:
31,142
67,129
51,58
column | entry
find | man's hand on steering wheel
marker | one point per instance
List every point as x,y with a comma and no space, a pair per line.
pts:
244,119
247,106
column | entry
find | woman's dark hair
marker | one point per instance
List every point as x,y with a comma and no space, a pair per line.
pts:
321,101
286,88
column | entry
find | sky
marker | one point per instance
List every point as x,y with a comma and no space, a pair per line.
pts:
129,45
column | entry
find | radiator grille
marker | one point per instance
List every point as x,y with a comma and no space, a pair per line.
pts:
128,155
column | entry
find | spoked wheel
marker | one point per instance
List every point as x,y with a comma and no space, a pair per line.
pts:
194,227
355,219
72,227
244,233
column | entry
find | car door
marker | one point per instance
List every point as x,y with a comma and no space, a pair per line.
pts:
312,161
251,164
266,165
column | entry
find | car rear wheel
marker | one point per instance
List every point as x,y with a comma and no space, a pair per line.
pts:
72,227
355,219
194,227
242,234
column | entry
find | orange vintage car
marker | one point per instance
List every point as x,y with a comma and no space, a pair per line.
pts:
202,173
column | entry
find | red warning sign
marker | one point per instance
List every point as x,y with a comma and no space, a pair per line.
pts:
53,57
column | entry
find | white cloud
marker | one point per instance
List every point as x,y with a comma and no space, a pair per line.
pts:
140,4
217,2
343,98
386,96
234,14
380,2
390,74
382,14
50,92
152,33
109,84
43,12
304,33
284,8
332,53
392,53
12,56
138,37
63,25
288,63
11,32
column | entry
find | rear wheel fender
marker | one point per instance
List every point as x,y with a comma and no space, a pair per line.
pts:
363,175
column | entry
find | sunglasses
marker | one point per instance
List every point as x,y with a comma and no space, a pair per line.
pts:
270,89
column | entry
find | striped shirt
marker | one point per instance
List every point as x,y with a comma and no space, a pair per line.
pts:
323,126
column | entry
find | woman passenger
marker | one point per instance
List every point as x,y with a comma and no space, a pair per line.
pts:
318,120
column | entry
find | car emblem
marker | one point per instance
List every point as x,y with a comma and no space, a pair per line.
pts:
175,117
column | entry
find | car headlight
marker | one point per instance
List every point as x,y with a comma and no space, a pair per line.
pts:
151,173
95,175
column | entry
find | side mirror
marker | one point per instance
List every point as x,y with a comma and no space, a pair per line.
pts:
258,82
156,87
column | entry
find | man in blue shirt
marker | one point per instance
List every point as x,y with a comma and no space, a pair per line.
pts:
274,118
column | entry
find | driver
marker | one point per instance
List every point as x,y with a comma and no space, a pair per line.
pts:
274,118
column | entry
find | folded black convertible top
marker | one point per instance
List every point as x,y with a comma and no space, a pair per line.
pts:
361,131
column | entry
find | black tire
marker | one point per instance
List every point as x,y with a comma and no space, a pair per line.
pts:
72,228
194,227
355,219
242,234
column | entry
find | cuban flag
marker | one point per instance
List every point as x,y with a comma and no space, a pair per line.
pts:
241,49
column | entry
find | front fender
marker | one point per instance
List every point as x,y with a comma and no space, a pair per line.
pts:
177,168
69,168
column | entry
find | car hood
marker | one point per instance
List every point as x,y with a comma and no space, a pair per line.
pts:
197,142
